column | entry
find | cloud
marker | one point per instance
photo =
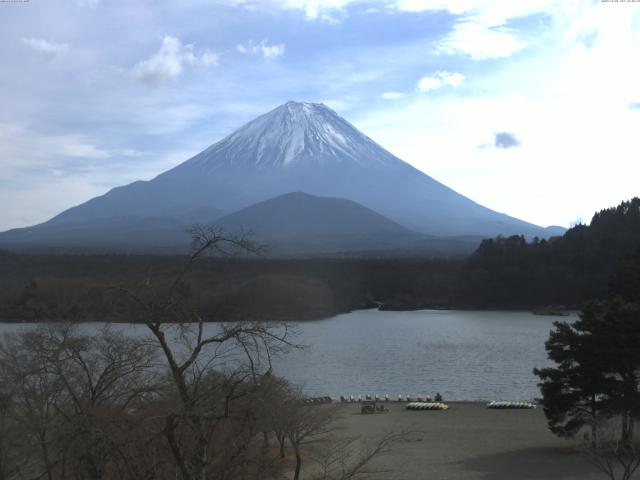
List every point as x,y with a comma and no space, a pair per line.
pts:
480,41
506,140
327,11
269,52
36,167
392,95
489,12
438,80
45,47
481,29
22,148
168,62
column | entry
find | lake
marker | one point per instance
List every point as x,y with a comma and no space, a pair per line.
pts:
464,355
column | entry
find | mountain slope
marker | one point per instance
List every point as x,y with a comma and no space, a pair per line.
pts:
129,234
300,147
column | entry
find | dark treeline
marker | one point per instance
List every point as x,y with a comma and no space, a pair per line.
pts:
567,270
504,273
81,287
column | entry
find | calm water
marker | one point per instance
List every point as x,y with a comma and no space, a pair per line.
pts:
464,355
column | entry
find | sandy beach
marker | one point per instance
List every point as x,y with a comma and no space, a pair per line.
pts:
470,442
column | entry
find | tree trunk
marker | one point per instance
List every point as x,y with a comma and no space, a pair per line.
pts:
296,475
45,455
281,441
626,429
201,454
594,422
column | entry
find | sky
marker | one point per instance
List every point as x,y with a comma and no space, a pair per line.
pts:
531,108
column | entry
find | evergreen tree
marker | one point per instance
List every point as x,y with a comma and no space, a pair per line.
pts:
598,370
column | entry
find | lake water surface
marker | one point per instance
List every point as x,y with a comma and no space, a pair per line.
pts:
464,355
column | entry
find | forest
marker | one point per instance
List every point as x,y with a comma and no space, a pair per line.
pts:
503,273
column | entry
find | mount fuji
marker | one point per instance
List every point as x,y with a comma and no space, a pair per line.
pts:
297,147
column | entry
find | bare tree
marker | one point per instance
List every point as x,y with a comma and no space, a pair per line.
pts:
345,458
314,433
9,432
308,424
615,456
192,349
72,399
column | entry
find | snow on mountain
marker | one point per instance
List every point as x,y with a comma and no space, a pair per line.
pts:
300,133
294,133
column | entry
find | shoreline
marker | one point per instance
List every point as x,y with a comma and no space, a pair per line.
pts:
563,314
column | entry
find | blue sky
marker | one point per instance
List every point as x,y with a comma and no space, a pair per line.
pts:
530,108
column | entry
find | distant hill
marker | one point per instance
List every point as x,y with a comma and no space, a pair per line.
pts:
564,270
297,147
299,214
301,223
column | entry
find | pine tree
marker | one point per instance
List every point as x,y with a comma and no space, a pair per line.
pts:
598,370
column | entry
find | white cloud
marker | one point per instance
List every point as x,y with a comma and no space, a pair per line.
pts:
44,46
392,95
439,79
168,62
480,41
204,59
480,32
322,10
35,168
23,149
269,52
490,12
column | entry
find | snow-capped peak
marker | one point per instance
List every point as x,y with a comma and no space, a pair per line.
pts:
296,133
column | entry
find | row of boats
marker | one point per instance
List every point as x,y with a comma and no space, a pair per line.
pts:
386,398
421,402
498,405
510,405
316,400
427,403
427,406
